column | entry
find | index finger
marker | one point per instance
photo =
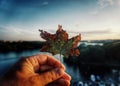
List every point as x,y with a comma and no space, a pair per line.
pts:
45,59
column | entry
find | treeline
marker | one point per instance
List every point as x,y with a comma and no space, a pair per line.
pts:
108,54
6,46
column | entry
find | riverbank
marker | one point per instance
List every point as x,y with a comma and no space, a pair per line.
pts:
7,46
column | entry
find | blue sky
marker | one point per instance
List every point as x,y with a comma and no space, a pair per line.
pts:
94,19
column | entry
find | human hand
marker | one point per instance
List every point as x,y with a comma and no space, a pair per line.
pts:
38,70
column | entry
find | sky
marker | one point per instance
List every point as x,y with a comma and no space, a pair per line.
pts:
93,19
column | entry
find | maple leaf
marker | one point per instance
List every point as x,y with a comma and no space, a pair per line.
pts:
59,43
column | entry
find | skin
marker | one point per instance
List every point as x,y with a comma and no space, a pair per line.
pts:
38,70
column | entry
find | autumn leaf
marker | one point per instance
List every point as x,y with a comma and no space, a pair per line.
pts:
59,43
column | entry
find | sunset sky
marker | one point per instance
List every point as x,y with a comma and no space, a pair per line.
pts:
94,19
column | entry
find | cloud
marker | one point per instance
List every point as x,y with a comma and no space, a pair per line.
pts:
15,33
106,31
105,3
96,34
102,4
45,3
89,33
94,12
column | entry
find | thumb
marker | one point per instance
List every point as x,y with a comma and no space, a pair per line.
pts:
47,77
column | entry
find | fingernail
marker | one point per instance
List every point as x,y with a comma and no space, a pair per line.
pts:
66,76
59,71
63,67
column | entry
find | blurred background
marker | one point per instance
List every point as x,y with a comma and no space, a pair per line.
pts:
96,20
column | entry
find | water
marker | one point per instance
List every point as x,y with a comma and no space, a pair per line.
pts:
91,43
8,59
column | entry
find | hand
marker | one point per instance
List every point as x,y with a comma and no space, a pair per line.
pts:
38,70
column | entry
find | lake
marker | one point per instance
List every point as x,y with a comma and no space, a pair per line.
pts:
78,74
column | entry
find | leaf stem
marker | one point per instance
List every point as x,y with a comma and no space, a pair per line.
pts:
60,58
